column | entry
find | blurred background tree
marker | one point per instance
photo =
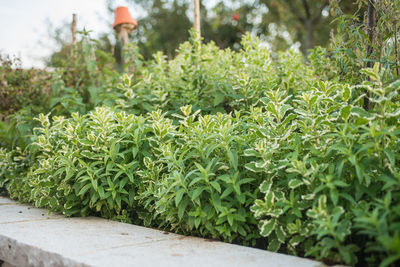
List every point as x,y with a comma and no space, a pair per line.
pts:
305,21
282,23
164,24
163,28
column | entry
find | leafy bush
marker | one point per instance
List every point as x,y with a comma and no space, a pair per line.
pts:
13,167
23,94
80,82
332,183
210,79
293,162
198,180
348,47
187,178
20,87
86,163
84,79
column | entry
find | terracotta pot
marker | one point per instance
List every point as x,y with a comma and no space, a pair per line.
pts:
122,16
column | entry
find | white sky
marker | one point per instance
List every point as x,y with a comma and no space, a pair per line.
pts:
23,24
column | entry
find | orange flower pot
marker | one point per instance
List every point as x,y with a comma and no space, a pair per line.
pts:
123,16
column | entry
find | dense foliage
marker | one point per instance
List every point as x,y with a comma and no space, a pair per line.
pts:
211,79
21,92
242,146
80,82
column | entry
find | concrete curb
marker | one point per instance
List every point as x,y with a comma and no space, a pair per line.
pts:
31,237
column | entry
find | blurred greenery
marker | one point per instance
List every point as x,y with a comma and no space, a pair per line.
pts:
280,23
247,144
164,24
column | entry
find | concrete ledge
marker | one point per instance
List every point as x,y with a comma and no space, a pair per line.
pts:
31,237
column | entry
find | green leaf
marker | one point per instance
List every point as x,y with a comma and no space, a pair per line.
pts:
225,177
390,260
346,93
251,153
101,192
390,155
360,112
265,186
227,192
182,207
197,193
84,189
345,112
179,195
131,196
245,181
216,186
340,183
218,98
334,196
274,245
241,231
267,227
196,180
294,183
94,184
197,221
217,202
295,240
252,166
280,234
230,219
118,200
233,158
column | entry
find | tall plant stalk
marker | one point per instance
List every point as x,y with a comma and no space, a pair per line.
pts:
395,49
370,47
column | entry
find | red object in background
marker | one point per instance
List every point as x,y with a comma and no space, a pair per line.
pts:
122,16
236,17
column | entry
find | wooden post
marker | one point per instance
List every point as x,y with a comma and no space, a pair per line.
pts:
123,31
73,29
370,48
123,25
196,23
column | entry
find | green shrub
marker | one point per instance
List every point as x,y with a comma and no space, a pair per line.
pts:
80,82
85,164
210,79
20,87
296,164
332,184
188,178
199,183
13,167
23,93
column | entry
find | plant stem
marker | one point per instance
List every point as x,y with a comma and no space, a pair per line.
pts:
395,49
370,47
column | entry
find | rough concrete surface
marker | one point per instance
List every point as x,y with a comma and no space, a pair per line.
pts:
31,237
